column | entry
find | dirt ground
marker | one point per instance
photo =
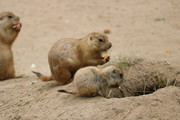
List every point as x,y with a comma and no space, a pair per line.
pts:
149,29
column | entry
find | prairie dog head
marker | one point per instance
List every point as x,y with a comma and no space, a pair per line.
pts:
99,42
114,76
8,21
9,27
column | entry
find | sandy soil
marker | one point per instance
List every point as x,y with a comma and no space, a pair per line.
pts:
139,28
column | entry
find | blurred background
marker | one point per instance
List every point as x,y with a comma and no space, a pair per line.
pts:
141,28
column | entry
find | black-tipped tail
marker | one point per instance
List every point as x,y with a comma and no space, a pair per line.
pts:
64,91
37,73
43,77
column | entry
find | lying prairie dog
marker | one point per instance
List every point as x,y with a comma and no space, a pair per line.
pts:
91,81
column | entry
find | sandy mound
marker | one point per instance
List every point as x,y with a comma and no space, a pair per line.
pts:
38,102
29,98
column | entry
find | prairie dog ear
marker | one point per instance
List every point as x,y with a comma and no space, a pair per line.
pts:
114,71
91,38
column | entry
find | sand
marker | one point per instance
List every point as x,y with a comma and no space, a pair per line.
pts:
149,29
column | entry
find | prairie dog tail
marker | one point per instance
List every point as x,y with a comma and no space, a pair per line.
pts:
64,91
43,77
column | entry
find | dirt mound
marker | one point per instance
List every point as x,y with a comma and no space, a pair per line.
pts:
31,99
144,77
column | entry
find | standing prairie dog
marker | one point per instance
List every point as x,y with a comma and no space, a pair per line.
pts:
69,55
90,81
9,29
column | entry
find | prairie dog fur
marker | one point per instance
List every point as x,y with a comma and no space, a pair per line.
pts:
69,55
9,29
90,81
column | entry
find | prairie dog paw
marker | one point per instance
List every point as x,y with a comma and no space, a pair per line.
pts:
106,58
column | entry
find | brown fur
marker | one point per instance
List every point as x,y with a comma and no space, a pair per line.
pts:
9,29
90,81
69,55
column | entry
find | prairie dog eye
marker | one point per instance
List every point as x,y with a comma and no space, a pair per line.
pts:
10,16
101,40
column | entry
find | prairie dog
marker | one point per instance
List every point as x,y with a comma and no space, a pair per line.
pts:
91,81
69,55
9,29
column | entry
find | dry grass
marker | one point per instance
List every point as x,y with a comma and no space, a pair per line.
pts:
144,77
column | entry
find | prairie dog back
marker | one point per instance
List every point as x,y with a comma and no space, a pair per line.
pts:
86,81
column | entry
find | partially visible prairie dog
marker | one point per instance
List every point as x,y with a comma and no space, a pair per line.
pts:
69,55
9,29
90,81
